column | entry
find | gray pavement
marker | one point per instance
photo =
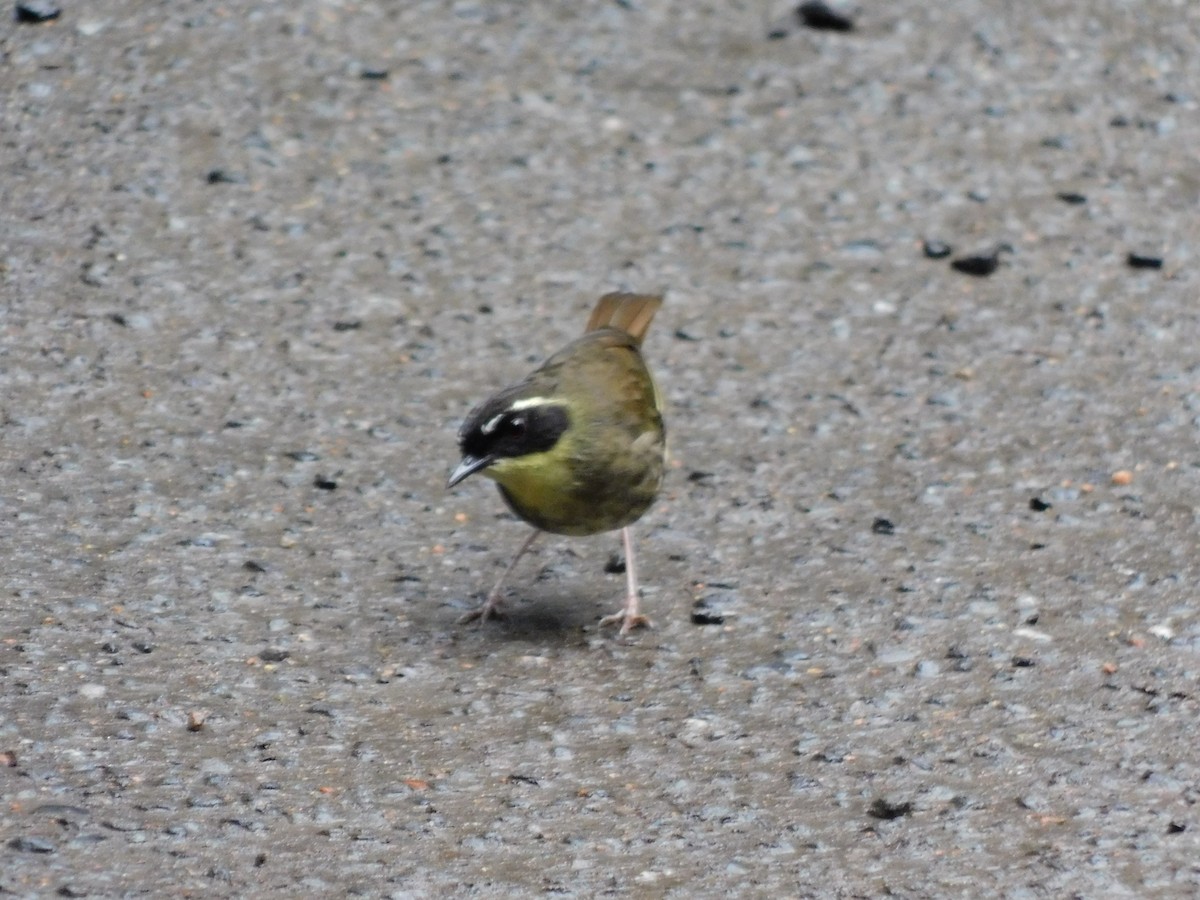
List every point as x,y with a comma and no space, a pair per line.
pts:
925,570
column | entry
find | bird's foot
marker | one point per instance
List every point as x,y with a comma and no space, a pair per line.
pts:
629,619
492,608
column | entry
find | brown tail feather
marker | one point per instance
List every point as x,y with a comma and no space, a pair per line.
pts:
632,313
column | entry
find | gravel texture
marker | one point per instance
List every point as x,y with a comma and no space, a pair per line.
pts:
925,570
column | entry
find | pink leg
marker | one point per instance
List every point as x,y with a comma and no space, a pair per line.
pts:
492,606
630,616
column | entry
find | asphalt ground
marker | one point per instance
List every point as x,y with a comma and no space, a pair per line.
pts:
924,571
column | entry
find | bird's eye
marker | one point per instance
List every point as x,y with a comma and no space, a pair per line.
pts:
515,426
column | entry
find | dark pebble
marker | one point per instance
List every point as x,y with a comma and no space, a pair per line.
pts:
1176,828
715,605
703,616
127,826
698,476
1140,261
615,564
979,266
207,801
31,12
885,808
515,778
1023,662
274,654
325,484
220,176
820,16
353,325
252,566
373,74
937,249
883,526
1037,504
1071,197
31,845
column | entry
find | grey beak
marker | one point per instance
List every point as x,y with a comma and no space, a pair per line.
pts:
469,466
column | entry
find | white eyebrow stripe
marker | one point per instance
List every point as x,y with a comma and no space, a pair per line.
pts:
490,425
530,402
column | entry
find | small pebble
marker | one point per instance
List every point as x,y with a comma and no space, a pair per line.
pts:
888,808
1143,261
704,617
33,12
819,16
31,844
221,176
934,249
979,266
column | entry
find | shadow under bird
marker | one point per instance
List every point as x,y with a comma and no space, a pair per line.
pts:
578,447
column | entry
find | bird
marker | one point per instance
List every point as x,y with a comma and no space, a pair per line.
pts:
578,447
